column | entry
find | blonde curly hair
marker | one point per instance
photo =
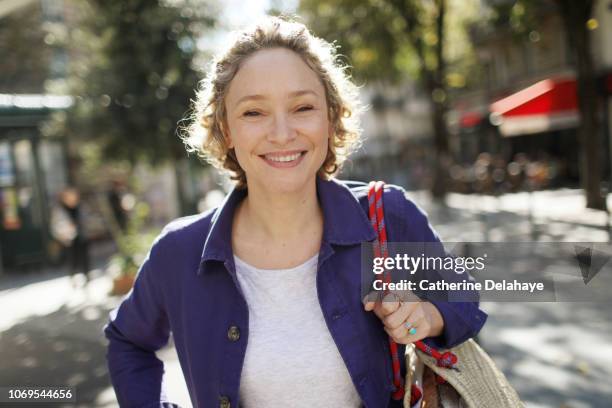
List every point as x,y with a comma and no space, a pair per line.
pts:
205,133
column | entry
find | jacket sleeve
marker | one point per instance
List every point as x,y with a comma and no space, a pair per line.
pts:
460,310
137,328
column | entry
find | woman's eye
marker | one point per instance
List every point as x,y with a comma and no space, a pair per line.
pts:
304,108
250,113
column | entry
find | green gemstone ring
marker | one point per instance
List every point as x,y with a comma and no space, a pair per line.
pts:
412,329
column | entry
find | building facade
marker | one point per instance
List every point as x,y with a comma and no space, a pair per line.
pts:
526,102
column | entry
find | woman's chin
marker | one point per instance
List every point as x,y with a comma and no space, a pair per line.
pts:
286,184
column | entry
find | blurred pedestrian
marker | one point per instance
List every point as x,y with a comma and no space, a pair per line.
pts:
115,199
499,175
483,173
68,228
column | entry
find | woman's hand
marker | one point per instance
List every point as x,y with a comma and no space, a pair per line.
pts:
406,321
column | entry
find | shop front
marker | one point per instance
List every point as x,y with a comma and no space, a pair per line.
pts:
32,171
542,120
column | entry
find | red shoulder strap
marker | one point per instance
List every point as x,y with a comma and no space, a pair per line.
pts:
377,219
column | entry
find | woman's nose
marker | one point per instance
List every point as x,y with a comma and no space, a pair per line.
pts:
282,130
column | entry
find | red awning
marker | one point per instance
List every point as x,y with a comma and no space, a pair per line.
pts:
550,104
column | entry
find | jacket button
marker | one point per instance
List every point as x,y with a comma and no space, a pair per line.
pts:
233,333
224,402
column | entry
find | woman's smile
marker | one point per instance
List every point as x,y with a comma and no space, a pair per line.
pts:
284,159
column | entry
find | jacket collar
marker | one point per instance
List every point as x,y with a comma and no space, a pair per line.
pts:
345,222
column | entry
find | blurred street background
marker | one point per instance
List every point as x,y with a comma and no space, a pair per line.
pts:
495,115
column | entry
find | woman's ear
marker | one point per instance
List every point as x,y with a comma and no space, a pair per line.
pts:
226,135
228,140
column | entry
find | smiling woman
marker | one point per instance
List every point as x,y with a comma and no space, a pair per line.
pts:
262,294
279,131
326,90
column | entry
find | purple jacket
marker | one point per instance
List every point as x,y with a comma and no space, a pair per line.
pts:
188,286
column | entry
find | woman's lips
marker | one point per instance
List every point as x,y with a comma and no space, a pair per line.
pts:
284,160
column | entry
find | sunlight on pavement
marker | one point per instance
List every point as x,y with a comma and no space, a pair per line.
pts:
46,297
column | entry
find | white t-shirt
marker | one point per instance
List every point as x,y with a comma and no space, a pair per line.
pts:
291,358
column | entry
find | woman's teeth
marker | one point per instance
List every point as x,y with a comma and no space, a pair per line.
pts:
282,159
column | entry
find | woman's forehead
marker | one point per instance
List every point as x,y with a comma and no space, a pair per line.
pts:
272,72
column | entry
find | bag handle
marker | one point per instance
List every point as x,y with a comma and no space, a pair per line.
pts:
377,219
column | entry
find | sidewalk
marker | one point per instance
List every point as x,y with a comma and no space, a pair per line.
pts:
554,354
51,334
558,215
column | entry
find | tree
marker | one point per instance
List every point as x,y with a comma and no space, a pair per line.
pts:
393,39
575,16
134,73
25,56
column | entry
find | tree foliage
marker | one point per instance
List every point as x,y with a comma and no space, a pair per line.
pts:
134,72
24,56
393,40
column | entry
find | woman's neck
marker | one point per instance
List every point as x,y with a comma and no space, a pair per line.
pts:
281,217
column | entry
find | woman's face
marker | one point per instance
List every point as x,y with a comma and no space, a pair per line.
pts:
277,121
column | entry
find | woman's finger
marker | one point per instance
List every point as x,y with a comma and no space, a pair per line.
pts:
389,304
397,318
370,300
402,334
415,332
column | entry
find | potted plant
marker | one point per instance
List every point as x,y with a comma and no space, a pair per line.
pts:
132,245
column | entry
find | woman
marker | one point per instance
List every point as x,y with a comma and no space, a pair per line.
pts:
263,294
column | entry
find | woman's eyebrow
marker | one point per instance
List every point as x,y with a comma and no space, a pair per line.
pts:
303,92
249,98
293,94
